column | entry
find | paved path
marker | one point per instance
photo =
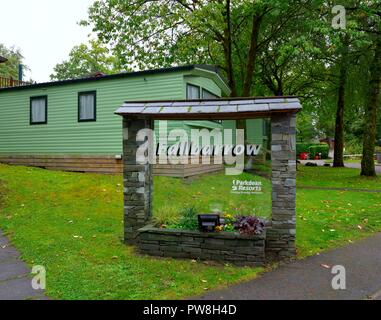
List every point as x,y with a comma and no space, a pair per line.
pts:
15,280
358,166
311,278
352,165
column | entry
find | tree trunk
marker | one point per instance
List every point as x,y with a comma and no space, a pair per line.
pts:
367,163
338,160
251,61
252,56
228,51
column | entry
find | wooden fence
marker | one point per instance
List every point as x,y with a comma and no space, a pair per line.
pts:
9,82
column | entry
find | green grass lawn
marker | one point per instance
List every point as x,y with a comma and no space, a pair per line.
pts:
208,193
347,160
336,178
331,219
72,224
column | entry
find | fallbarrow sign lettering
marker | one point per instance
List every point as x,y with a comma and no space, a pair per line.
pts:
203,145
189,149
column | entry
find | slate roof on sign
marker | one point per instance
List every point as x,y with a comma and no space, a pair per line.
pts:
217,108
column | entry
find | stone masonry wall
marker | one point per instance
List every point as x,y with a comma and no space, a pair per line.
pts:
281,236
137,181
225,246
276,243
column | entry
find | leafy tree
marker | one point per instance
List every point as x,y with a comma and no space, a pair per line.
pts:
10,69
85,60
369,15
227,33
339,50
306,131
264,48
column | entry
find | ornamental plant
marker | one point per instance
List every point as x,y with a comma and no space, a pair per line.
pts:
249,225
188,220
228,224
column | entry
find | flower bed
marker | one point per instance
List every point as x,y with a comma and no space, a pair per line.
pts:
245,225
228,247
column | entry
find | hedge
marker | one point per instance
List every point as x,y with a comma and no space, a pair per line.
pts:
312,149
302,147
323,149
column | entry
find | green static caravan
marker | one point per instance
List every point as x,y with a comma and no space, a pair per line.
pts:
70,125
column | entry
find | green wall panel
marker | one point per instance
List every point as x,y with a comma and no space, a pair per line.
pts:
204,83
254,129
63,134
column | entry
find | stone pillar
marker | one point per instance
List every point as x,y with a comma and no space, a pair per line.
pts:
281,236
137,180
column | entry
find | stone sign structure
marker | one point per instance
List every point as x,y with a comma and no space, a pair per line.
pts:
277,242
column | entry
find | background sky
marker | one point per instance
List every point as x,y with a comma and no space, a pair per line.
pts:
44,30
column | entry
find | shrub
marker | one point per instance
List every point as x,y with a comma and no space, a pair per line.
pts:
302,147
316,149
188,220
249,225
166,214
352,148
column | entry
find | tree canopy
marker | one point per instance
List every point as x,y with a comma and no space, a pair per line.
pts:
320,51
86,59
10,69
229,34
